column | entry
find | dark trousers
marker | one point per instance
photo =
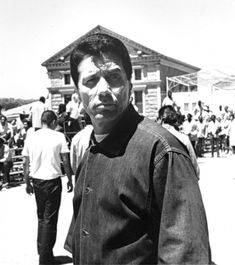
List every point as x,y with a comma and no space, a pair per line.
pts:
199,146
5,168
48,198
214,145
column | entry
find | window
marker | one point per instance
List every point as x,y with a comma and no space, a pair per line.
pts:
193,105
138,98
186,107
67,79
138,73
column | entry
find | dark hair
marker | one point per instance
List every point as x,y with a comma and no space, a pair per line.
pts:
48,116
168,115
42,99
61,108
96,45
3,116
189,115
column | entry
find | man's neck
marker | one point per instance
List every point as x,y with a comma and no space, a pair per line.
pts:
44,126
103,127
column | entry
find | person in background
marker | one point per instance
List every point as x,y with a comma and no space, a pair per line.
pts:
232,133
168,100
21,134
136,199
5,162
220,113
5,130
73,109
200,136
168,119
80,143
198,110
36,112
1,108
226,128
14,127
63,117
43,152
190,128
213,132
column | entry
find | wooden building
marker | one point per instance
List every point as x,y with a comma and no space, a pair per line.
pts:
150,70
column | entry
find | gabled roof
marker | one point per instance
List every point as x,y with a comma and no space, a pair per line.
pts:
133,47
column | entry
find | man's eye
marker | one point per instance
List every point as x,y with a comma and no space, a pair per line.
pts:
114,79
92,82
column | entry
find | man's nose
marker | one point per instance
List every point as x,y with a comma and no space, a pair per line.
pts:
103,87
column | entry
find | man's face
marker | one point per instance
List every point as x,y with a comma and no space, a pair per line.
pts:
3,120
189,117
103,88
25,125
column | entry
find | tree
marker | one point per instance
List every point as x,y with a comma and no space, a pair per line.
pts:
9,103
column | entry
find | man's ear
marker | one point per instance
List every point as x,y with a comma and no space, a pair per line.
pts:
130,88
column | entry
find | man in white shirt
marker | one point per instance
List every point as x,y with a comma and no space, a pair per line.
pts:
74,108
168,100
43,150
36,112
80,143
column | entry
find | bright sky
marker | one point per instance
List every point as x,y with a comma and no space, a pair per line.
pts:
198,32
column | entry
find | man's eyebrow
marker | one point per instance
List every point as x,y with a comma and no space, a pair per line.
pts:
91,75
113,70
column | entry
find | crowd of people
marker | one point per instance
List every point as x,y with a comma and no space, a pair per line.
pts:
13,132
208,131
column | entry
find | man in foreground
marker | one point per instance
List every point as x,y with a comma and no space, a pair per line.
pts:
136,199
43,151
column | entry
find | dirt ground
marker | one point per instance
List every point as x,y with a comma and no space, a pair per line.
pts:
18,220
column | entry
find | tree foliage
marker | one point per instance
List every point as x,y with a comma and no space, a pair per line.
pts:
9,103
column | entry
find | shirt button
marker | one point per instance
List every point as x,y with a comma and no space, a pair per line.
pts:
88,190
84,232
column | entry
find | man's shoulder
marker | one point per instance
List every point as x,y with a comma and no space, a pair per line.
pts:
48,134
153,131
86,132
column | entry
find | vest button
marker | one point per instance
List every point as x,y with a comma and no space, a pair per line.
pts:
88,190
85,233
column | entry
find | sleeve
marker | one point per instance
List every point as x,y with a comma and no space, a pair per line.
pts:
183,232
6,152
25,151
68,107
64,146
73,157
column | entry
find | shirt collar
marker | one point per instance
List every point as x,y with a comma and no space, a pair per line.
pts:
120,135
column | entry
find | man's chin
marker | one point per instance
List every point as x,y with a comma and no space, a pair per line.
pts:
106,116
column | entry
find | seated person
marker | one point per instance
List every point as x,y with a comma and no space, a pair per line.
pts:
5,162
5,130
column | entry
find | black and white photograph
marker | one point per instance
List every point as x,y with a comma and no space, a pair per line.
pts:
117,132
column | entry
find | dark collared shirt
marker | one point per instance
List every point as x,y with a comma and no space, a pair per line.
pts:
137,200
